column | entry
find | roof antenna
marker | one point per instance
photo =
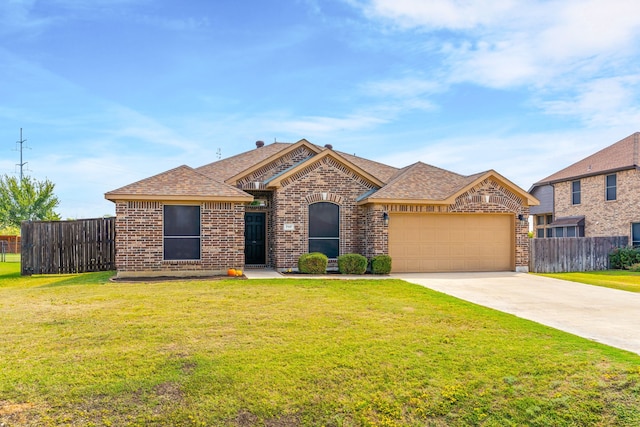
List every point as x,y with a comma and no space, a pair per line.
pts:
219,154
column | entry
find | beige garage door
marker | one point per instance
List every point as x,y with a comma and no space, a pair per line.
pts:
451,242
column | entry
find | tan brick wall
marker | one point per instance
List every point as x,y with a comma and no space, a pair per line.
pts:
139,247
602,217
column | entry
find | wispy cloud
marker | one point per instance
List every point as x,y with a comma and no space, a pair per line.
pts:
552,48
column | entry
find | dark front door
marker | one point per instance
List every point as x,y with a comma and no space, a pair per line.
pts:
254,238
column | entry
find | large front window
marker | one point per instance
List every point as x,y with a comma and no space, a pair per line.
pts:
181,234
324,229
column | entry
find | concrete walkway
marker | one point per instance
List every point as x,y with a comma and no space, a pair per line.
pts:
600,314
608,316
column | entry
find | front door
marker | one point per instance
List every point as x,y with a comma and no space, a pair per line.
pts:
254,238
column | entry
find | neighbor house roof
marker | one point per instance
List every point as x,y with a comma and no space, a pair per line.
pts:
619,156
182,183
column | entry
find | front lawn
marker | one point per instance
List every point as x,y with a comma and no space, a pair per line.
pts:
79,350
617,279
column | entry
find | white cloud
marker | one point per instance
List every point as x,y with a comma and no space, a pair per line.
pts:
437,14
553,49
600,102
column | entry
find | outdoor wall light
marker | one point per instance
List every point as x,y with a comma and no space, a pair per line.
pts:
385,218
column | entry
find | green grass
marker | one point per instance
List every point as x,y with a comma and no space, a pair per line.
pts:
10,257
79,350
616,279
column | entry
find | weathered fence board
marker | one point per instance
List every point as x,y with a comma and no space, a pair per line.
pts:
559,255
61,247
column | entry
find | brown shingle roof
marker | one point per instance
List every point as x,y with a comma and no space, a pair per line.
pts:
619,156
231,166
423,181
181,183
381,171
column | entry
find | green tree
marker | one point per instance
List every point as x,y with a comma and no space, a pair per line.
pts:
26,200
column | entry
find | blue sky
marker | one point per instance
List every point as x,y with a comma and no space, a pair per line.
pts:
112,91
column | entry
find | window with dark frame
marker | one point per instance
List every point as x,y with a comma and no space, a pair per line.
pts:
575,192
181,232
324,229
635,234
611,187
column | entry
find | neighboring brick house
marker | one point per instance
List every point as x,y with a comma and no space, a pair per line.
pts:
597,196
267,206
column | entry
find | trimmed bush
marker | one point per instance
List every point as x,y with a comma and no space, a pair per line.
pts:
624,258
635,268
352,264
313,263
381,264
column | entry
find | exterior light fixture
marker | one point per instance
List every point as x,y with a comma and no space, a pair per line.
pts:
385,218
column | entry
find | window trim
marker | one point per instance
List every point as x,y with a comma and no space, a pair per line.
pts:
317,238
613,187
168,237
576,196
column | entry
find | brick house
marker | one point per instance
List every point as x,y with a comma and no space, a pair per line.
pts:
267,206
597,196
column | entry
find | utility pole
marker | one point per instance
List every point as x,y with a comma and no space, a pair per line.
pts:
21,164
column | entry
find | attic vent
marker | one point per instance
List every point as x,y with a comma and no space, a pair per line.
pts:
328,146
259,144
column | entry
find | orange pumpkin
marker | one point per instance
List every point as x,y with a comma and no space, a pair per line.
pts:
231,272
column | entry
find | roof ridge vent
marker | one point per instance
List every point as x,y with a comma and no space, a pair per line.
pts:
259,144
328,146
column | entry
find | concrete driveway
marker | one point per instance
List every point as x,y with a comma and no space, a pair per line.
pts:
604,315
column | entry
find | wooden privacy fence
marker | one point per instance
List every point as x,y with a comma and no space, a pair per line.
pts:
60,247
564,254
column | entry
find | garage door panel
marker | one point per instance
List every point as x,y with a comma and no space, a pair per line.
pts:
451,242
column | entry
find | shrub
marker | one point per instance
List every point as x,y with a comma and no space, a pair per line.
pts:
313,263
352,264
381,264
635,267
623,258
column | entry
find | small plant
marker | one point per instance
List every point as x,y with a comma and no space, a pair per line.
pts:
313,263
381,264
624,258
352,264
635,267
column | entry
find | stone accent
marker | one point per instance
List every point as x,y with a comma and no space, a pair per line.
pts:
139,240
602,218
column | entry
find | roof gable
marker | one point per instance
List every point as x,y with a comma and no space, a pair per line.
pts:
303,143
277,180
181,183
425,184
618,156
